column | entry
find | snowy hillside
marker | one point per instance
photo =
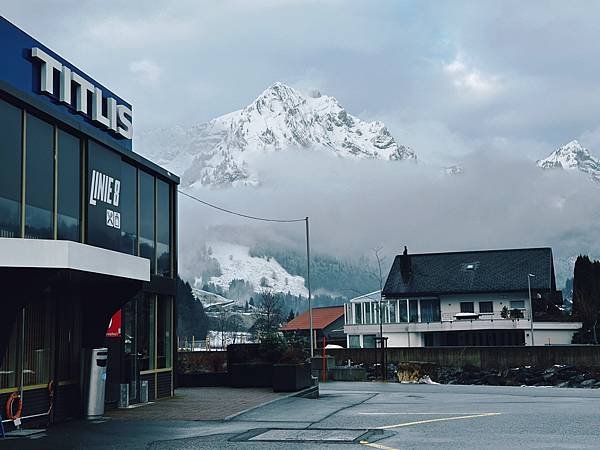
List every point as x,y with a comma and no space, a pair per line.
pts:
236,263
573,156
221,152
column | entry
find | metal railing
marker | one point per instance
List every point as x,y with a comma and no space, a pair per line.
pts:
457,316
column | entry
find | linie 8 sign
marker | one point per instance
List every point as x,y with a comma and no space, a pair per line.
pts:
107,189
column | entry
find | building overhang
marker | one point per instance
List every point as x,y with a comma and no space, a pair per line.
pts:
67,255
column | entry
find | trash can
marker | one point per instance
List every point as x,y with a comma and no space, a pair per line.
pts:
95,382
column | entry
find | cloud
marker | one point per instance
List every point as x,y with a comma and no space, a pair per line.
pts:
354,206
146,71
471,80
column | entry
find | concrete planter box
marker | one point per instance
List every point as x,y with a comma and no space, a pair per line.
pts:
291,377
348,373
250,374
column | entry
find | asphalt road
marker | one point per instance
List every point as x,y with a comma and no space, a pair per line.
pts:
385,416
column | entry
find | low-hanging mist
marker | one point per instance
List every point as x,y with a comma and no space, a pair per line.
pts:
355,206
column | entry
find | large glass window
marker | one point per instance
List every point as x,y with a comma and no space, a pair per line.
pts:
369,341
10,170
39,179
8,368
128,329
69,186
486,307
430,310
413,309
145,332
163,229
517,304
392,307
354,341
129,209
68,340
147,218
358,313
403,310
164,343
467,307
38,338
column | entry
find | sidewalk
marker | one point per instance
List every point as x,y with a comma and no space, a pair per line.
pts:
202,403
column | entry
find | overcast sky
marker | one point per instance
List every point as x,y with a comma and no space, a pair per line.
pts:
489,85
448,78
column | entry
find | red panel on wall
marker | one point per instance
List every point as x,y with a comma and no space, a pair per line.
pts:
114,327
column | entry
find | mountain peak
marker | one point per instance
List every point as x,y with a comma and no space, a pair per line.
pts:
277,94
572,156
218,153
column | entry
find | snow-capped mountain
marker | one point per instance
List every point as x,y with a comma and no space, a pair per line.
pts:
573,156
236,263
220,152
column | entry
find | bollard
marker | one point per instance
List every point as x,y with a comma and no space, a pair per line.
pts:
124,396
144,391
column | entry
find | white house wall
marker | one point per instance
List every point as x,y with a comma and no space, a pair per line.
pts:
451,303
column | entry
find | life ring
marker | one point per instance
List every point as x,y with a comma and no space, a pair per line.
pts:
9,406
50,395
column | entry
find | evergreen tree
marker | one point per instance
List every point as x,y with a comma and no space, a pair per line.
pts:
291,316
586,299
191,317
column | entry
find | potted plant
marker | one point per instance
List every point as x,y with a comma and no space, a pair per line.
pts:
292,371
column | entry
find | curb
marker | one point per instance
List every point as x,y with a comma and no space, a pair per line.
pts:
309,392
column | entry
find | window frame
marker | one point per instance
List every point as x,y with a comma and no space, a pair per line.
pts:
486,302
465,309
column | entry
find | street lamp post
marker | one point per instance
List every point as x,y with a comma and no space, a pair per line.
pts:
529,276
310,311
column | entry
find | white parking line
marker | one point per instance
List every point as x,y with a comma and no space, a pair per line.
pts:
443,419
379,446
412,414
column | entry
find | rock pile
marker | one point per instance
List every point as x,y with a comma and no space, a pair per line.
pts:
557,375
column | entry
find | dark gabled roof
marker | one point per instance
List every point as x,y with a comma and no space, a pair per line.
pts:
474,271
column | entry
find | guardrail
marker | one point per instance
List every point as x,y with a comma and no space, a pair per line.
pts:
457,316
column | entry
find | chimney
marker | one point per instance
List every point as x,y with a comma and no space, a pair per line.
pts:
405,266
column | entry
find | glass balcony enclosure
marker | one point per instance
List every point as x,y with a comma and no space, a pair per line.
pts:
393,311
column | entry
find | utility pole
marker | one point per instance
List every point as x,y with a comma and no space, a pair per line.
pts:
529,276
310,314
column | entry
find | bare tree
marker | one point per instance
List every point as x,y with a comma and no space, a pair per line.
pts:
378,272
269,316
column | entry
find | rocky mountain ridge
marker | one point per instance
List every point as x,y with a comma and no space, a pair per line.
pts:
221,152
573,156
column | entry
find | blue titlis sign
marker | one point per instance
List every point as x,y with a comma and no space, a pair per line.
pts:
73,90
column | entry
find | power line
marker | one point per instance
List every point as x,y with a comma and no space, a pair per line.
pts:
264,219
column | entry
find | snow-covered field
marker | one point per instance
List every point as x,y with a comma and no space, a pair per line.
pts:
236,263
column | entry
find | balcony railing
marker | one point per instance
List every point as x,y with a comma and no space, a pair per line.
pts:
457,316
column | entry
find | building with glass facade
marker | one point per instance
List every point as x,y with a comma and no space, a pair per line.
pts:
87,239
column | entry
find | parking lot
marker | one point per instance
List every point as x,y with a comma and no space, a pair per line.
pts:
364,415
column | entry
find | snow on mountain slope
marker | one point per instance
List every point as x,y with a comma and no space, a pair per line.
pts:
236,264
220,152
573,156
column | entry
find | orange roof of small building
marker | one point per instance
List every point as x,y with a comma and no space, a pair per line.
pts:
322,317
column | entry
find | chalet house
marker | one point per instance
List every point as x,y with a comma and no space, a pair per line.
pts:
474,298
